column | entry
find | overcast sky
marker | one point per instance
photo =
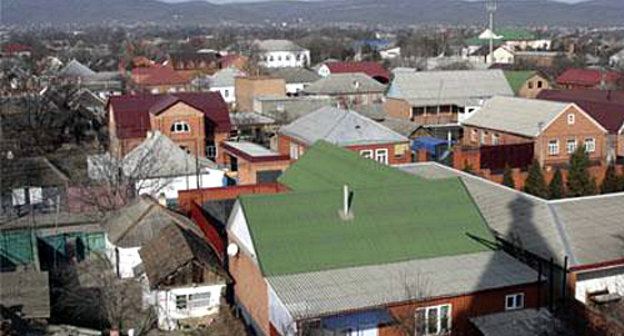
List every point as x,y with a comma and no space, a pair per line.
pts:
230,1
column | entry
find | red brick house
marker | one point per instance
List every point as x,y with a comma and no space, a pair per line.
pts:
347,129
196,121
372,69
158,79
576,78
606,107
555,129
251,163
297,267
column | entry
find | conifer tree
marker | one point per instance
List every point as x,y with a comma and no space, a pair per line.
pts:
580,183
611,182
555,188
535,183
508,178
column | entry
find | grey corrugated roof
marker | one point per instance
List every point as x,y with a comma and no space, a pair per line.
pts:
339,290
340,127
345,83
456,86
77,69
26,290
295,75
278,45
588,230
525,322
594,227
401,126
224,77
249,119
516,115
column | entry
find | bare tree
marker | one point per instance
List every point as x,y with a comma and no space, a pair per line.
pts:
90,293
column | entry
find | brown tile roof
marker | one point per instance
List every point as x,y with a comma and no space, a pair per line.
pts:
131,112
589,77
157,75
173,248
608,112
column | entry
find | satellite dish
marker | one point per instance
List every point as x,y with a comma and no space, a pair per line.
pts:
232,250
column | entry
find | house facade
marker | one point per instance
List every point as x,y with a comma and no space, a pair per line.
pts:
158,79
348,89
250,163
576,78
281,54
223,81
555,129
196,121
347,129
442,97
527,84
247,88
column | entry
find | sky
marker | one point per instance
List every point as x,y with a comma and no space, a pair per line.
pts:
231,1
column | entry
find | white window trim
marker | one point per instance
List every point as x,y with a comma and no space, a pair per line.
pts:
183,125
495,139
367,153
380,153
517,305
571,118
569,149
439,309
294,151
589,149
555,145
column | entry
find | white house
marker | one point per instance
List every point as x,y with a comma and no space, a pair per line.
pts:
158,167
281,54
617,60
390,53
184,278
223,82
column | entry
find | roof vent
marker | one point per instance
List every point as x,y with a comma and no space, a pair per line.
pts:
347,212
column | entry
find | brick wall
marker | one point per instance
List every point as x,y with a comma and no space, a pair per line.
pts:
398,108
394,157
247,171
465,307
193,141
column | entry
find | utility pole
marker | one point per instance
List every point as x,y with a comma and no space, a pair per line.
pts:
491,7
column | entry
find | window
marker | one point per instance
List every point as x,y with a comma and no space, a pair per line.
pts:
473,135
434,320
279,58
514,301
571,145
199,300
367,153
381,156
181,302
483,135
294,151
211,152
288,57
271,58
180,127
540,84
553,147
570,119
590,145
299,57
530,85
495,139
226,93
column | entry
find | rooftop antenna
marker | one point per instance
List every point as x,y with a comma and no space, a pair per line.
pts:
491,7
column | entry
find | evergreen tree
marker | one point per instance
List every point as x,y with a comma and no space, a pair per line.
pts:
535,183
555,188
508,178
580,183
611,182
468,168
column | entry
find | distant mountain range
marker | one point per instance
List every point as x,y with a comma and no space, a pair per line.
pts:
538,12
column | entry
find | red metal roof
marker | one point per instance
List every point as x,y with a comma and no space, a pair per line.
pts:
131,112
372,69
15,48
587,77
605,108
157,75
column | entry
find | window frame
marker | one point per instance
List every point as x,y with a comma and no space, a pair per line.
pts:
183,126
517,304
593,144
439,330
571,118
571,149
379,154
294,151
367,153
495,139
553,144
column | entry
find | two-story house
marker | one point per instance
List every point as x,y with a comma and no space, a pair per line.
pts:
281,54
196,121
554,128
347,129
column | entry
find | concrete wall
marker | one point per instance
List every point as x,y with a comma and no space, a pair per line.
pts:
169,315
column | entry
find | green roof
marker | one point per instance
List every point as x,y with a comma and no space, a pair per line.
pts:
507,35
325,166
516,79
302,231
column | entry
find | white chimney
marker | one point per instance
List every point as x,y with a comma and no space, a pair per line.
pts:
346,213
